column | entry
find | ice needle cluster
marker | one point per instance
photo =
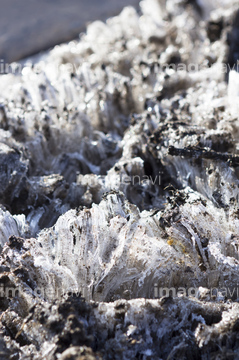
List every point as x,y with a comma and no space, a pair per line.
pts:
119,183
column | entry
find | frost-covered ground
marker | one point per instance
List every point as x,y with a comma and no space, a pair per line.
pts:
119,180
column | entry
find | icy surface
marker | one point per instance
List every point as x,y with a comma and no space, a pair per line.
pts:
119,178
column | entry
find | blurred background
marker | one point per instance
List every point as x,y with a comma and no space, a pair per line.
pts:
30,26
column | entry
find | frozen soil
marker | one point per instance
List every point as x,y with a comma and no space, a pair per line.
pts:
119,159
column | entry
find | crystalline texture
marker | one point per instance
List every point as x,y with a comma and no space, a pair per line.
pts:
119,181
